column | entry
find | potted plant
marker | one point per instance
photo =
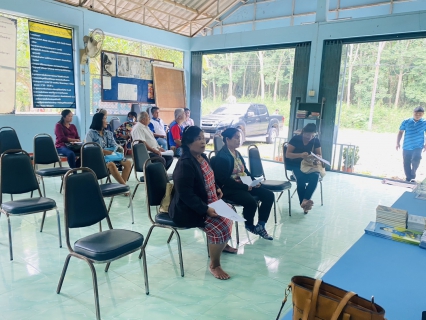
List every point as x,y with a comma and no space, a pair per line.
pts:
350,158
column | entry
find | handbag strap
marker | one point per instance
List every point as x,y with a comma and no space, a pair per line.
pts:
313,302
342,305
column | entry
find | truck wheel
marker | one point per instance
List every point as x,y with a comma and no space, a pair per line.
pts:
242,137
272,134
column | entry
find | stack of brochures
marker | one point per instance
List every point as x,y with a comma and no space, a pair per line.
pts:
420,190
416,223
393,233
301,114
423,241
391,216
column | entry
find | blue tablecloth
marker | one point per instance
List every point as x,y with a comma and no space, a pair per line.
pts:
393,272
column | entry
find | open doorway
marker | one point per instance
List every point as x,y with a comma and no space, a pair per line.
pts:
380,85
251,91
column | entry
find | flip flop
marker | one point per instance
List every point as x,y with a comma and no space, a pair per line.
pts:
229,249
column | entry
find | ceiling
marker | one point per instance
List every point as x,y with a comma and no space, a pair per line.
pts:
185,17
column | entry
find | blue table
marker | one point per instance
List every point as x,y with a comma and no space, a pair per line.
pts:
392,272
409,202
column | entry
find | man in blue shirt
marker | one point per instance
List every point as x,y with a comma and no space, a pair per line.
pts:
414,142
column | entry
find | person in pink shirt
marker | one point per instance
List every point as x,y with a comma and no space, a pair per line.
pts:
66,133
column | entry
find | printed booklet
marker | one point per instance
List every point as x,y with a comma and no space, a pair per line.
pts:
393,233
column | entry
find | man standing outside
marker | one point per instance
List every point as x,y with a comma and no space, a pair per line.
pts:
414,142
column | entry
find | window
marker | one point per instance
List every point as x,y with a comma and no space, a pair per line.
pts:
125,46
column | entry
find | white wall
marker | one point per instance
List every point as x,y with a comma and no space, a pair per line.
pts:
82,21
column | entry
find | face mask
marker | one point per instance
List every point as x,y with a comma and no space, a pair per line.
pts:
130,119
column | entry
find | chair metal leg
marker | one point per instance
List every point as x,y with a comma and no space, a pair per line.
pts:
95,289
145,271
182,273
134,192
110,203
11,197
289,203
131,209
170,237
10,237
64,271
146,240
294,192
237,233
62,184
321,193
42,221
59,228
275,209
208,250
280,196
44,188
100,226
107,266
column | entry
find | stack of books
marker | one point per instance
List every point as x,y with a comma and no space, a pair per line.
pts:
416,223
314,115
391,216
301,114
423,241
393,233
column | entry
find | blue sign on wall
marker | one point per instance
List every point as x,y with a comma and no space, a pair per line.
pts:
52,66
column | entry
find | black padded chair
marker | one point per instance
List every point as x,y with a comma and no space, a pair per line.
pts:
217,143
92,157
256,169
140,155
114,123
46,153
231,203
9,139
293,176
155,185
17,177
85,207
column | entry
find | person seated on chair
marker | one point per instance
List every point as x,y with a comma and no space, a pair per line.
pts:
299,148
228,168
157,126
194,190
66,132
175,132
141,132
105,113
188,121
105,139
123,131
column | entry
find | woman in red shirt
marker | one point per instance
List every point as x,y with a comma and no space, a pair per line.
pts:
66,133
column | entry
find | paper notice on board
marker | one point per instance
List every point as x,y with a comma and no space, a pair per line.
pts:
7,64
127,92
106,83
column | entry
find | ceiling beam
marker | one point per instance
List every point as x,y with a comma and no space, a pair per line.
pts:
182,6
106,8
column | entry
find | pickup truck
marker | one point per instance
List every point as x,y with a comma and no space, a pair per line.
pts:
252,119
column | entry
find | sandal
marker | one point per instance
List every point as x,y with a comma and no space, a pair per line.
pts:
229,249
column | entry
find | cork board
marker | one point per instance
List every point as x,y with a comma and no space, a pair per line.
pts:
169,88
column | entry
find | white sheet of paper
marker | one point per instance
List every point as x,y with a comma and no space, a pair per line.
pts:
319,158
251,183
224,210
127,92
167,153
106,83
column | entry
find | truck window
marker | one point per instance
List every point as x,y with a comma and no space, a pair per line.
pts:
252,111
262,110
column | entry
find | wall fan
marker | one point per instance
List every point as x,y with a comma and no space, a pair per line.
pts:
92,45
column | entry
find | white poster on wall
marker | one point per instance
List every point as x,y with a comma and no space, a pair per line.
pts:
127,92
8,29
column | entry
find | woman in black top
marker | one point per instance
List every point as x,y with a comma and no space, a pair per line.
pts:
299,148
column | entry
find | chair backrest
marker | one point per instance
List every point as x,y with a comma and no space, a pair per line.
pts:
255,163
92,157
285,146
114,123
44,150
140,154
217,143
9,139
135,108
155,182
16,173
84,204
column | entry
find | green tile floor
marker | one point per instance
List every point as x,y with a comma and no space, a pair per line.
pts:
303,245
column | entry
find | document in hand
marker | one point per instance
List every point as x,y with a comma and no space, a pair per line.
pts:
224,210
167,153
251,183
319,158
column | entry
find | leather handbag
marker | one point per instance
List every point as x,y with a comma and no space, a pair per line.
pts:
314,299
165,202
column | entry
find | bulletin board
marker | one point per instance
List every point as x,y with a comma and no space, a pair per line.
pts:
127,78
169,84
